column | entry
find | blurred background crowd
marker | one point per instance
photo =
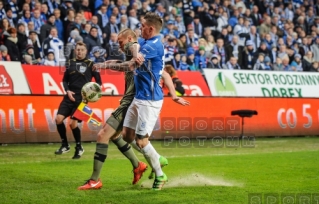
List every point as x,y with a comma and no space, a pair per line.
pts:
279,35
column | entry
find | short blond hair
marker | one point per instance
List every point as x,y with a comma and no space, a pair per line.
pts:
126,32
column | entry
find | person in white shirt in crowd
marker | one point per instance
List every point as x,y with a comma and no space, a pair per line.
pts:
50,59
132,19
239,27
124,23
222,21
240,4
242,30
57,46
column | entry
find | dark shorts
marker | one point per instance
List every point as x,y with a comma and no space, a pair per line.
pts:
68,107
116,119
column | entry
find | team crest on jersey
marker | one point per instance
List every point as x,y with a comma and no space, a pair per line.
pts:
81,67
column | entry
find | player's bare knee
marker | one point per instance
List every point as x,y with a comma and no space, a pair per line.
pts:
126,139
141,141
59,119
101,135
73,124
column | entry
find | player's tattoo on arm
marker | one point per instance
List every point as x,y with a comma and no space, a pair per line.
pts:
135,49
122,67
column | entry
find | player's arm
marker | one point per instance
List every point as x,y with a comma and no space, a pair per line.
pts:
103,65
148,51
65,81
121,67
116,65
169,83
134,48
96,74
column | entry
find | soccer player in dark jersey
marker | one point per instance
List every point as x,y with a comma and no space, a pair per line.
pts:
78,72
114,124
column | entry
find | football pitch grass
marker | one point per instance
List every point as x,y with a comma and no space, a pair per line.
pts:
31,173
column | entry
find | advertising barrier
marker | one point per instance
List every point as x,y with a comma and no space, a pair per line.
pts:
245,83
45,80
12,79
32,118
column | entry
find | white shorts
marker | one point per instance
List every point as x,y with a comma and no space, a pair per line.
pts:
142,115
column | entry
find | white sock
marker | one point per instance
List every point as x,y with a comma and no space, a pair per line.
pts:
134,145
150,153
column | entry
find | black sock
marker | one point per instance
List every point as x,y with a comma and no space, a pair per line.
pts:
62,131
77,136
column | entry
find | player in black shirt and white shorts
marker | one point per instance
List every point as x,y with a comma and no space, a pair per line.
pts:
78,72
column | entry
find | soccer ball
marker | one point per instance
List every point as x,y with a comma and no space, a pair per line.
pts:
92,92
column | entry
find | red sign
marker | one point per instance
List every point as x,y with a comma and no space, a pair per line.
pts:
6,85
32,118
193,83
48,81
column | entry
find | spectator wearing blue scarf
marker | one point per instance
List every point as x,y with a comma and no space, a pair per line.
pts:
248,55
268,41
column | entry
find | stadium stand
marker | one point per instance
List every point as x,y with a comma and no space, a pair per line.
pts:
278,35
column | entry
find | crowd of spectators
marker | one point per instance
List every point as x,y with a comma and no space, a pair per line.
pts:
278,35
